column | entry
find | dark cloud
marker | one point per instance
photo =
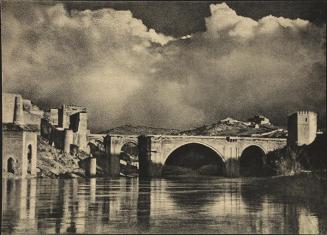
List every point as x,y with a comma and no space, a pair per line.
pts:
184,17
126,72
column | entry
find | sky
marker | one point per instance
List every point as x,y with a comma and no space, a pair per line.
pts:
167,64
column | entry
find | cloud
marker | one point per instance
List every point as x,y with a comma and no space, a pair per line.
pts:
124,72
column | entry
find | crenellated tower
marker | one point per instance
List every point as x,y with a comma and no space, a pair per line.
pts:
302,127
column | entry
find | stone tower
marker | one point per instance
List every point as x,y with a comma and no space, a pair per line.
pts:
302,128
18,110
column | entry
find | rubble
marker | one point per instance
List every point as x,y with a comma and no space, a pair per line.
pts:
54,163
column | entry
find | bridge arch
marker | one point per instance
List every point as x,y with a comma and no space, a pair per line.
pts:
252,160
256,145
129,157
129,148
196,156
193,142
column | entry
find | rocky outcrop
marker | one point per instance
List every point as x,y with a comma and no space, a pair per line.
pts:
54,163
295,159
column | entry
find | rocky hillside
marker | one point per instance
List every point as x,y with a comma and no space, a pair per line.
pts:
139,130
232,127
294,159
54,163
225,127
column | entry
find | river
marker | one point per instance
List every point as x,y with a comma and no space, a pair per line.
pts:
123,205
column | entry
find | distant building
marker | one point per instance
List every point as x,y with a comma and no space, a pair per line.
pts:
20,127
259,120
302,127
66,128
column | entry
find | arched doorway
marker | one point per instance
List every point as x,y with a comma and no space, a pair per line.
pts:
129,159
193,159
29,158
11,165
251,161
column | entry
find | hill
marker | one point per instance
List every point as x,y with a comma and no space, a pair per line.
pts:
232,127
139,130
225,127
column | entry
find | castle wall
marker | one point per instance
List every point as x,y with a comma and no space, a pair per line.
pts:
46,129
68,140
302,128
81,140
78,123
82,122
65,112
30,138
57,138
54,117
12,147
15,146
32,119
12,108
292,130
305,127
68,117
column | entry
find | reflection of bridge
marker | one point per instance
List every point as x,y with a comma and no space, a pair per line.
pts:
154,150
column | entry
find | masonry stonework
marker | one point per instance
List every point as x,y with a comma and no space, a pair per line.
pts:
19,136
66,128
302,128
155,149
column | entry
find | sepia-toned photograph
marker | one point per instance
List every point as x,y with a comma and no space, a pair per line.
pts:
163,117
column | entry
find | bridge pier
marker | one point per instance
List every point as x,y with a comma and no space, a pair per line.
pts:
144,146
113,157
232,167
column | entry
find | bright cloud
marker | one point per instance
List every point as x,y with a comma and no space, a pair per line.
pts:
124,72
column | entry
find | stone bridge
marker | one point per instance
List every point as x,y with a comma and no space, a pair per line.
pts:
154,150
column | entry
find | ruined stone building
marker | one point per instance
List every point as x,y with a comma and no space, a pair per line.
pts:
20,127
66,128
302,128
259,119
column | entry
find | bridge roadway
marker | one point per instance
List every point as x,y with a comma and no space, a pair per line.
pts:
155,149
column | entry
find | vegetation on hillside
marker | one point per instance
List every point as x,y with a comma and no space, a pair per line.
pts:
225,127
295,159
232,127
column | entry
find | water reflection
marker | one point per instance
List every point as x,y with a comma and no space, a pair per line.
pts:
212,205
144,203
192,193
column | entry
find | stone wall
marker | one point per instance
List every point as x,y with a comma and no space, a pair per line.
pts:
30,139
32,119
302,128
65,112
68,117
57,138
54,117
12,147
8,107
155,149
15,107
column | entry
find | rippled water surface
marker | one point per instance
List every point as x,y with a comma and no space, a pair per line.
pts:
214,205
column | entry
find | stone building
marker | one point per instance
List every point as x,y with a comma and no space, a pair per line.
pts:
20,127
259,119
302,128
66,128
